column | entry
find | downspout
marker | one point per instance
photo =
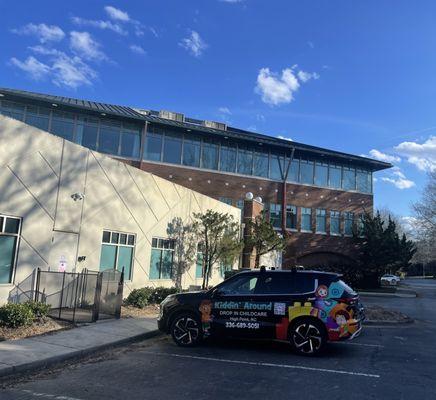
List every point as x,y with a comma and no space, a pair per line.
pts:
284,202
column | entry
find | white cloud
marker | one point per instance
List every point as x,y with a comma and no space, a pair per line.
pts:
307,76
46,51
137,49
117,14
276,89
44,33
398,179
225,110
260,117
72,72
105,25
378,155
34,68
85,46
194,44
422,155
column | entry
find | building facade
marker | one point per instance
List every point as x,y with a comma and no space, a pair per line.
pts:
313,195
64,207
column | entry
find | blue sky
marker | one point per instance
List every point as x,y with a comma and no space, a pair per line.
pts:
353,76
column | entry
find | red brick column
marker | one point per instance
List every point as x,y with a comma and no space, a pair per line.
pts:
252,208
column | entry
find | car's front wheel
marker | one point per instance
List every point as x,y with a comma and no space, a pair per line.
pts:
307,337
186,330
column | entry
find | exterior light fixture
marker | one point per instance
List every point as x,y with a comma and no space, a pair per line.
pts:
170,176
103,114
188,130
226,137
54,105
78,196
249,196
243,186
189,179
2,95
227,183
258,199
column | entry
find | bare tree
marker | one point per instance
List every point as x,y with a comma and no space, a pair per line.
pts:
185,248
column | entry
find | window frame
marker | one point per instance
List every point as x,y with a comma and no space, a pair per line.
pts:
310,219
161,244
321,213
17,244
117,251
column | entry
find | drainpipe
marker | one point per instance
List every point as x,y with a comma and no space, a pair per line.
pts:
284,202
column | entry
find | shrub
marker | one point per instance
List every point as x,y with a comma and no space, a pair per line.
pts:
40,310
16,315
139,297
147,295
160,293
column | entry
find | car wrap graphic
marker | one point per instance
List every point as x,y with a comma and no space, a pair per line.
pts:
338,317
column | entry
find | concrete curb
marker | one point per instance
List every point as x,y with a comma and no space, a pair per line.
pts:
380,294
78,354
387,323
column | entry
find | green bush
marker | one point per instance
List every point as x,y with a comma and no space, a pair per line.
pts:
16,315
160,293
148,295
139,297
40,310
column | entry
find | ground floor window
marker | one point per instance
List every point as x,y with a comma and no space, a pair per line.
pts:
224,267
320,221
306,219
335,223
10,228
117,251
199,263
275,215
291,217
161,260
348,223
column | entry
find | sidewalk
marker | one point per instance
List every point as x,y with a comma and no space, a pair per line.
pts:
40,351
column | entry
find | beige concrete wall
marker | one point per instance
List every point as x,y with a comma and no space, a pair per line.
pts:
38,174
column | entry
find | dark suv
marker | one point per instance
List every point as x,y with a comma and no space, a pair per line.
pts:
307,308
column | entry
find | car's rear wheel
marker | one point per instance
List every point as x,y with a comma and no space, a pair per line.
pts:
186,330
307,337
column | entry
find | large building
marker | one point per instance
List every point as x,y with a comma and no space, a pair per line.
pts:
314,194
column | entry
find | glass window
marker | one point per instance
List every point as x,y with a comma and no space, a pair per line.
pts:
108,140
228,158
240,204
363,179
199,265
116,253
224,268
13,110
348,223
153,146
130,144
172,151
64,129
260,164
226,200
9,236
304,283
86,135
349,178
279,283
241,285
209,155
291,217
306,172
335,176
306,219
191,151
276,167
245,161
275,215
320,221
294,171
321,172
38,121
335,223
161,261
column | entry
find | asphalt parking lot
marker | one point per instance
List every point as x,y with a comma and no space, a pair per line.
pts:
385,362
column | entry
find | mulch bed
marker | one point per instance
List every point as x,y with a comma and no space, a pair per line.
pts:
151,311
378,313
40,327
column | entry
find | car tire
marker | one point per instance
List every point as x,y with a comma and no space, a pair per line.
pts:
186,330
307,336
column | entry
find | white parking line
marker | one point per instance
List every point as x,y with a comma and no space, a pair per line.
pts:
359,344
263,364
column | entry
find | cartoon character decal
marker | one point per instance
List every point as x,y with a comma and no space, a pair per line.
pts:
206,316
338,317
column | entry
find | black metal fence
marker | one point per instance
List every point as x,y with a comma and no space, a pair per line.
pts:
81,296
